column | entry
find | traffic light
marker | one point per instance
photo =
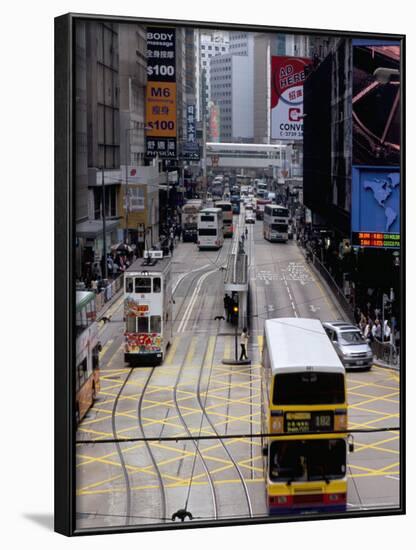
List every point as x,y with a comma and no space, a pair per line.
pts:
235,309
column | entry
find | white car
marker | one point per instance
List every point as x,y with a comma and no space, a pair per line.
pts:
250,217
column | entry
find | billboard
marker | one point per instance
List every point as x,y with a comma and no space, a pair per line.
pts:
376,103
287,78
214,122
375,219
190,149
161,117
375,190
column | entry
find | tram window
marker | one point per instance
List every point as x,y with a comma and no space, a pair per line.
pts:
143,285
129,284
156,284
142,324
155,324
130,323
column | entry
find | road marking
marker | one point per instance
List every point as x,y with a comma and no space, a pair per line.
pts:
187,273
192,301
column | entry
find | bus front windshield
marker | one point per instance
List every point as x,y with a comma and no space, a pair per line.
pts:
308,388
307,460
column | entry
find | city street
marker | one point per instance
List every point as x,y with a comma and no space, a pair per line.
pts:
194,394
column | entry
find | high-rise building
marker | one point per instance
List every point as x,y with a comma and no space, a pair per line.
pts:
231,84
207,45
97,141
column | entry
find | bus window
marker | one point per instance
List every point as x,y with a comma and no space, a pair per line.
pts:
129,284
306,460
207,232
130,323
142,324
143,285
156,284
82,373
155,324
308,388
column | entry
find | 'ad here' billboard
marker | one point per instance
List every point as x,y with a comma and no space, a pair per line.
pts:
287,78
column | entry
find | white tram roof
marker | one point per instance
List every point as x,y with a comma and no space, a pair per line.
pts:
295,343
141,267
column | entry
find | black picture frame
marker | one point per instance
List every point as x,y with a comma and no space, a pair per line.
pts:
65,513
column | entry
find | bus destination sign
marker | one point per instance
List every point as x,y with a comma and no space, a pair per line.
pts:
304,422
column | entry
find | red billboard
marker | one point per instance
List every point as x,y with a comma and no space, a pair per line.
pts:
287,78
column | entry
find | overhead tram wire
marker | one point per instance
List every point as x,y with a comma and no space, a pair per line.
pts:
233,436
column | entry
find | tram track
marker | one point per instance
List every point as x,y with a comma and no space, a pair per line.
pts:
119,450
149,450
226,450
188,431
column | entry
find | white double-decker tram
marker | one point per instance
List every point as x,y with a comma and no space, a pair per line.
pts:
275,223
210,228
148,309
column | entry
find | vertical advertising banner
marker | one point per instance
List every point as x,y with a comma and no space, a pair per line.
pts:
161,115
376,177
190,150
287,78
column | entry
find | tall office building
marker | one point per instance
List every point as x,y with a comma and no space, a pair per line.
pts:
231,84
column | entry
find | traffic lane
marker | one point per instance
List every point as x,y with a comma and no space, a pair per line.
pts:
310,297
374,466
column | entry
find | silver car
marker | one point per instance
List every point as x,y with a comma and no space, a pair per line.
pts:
353,350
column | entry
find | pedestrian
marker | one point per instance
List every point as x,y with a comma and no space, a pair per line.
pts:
246,232
243,344
171,247
227,307
376,330
387,331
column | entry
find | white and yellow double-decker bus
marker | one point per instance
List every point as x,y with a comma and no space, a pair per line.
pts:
305,413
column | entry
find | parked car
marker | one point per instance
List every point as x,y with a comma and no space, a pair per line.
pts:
352,348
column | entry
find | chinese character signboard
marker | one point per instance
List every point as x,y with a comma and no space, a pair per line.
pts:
190,149
287,77
161,93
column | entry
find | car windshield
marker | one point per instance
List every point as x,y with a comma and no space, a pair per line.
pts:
351,337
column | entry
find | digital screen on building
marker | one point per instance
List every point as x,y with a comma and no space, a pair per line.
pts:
375,206
376,240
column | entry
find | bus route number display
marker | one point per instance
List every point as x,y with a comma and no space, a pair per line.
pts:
303,422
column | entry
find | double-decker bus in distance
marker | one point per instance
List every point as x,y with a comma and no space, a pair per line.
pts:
190,220
227,216
210,228
275,223
87,376
304,404
148,309
260,206
217,187
261,188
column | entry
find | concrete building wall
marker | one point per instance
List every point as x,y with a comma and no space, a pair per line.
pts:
81,152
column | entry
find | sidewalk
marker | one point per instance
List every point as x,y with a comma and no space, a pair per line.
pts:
340,301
